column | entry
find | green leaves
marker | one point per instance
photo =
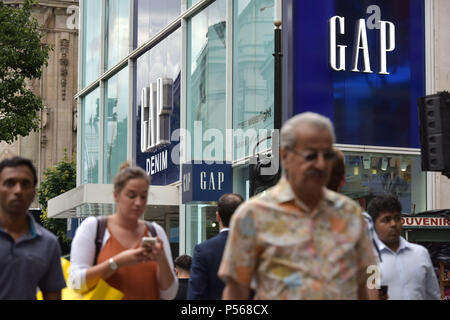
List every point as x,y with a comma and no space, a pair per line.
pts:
22,56
57,180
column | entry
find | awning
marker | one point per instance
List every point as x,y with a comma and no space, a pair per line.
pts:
97,199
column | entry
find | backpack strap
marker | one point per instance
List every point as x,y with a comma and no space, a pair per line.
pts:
151,228
101,227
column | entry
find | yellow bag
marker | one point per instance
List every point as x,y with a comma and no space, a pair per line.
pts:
102,291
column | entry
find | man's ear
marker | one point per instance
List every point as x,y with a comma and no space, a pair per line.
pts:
217,216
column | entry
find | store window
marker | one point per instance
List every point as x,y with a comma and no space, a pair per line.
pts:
117,31
115,124
253,73
206,82
201,224
91,41
153,16
369,175
192,2
90,126
241,181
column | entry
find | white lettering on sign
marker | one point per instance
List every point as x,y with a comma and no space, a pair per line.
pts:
187,182
214,181
157,163
361,44
156,108
426,222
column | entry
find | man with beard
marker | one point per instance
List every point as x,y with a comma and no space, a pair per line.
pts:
406,268
29,254
299,240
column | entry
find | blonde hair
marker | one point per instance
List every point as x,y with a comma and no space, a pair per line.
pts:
127,172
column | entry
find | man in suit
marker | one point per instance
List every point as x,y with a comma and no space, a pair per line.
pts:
204,284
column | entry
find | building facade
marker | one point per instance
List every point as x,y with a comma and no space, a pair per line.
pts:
185,89
57,87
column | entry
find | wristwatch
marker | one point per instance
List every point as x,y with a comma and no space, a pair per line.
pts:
113,265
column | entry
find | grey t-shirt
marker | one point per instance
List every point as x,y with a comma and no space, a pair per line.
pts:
31,262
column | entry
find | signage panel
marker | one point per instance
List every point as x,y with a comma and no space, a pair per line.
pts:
362,64
205,182
158,117
425,222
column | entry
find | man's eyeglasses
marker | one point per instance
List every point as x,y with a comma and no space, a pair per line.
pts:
327,155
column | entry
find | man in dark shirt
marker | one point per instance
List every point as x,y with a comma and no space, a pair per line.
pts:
182,270
29,254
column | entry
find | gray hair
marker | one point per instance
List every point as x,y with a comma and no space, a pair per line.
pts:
126,173
288,135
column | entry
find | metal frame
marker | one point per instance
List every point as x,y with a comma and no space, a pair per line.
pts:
430,84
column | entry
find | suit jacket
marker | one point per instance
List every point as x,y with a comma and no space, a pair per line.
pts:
204,284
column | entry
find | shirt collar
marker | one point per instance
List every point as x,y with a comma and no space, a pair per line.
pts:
282,192
403,245
33,229
225,229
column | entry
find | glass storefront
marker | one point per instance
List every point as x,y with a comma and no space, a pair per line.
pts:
249,90
91,68
206,81
201,224
117,34
372,174
153,16
253,72
115,124
90,134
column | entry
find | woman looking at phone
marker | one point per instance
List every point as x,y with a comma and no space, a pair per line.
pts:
140,271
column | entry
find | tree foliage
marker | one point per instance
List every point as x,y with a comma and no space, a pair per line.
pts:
57,180
22,56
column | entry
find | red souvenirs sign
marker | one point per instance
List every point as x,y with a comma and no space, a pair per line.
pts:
423,222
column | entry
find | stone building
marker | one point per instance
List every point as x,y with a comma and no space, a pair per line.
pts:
57,87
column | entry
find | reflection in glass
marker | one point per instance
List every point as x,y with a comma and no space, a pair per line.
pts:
369,175
192,2
162,61
91,41
153,16
115,124
201,224
90,125
253,70
117,31
206,78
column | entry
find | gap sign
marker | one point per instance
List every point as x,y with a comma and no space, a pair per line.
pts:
205,182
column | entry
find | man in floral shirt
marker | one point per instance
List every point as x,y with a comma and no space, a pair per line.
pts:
299,240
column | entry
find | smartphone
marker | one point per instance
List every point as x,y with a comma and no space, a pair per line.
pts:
148,241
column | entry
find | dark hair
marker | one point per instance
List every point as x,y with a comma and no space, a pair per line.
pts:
381,203
226,206
19,161
337,171
183,262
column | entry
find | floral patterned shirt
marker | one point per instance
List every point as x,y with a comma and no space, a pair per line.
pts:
284,251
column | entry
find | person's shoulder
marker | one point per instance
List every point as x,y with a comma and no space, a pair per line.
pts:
46,234
342,202
212,241
417,248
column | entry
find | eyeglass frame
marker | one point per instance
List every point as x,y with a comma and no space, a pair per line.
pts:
315,154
